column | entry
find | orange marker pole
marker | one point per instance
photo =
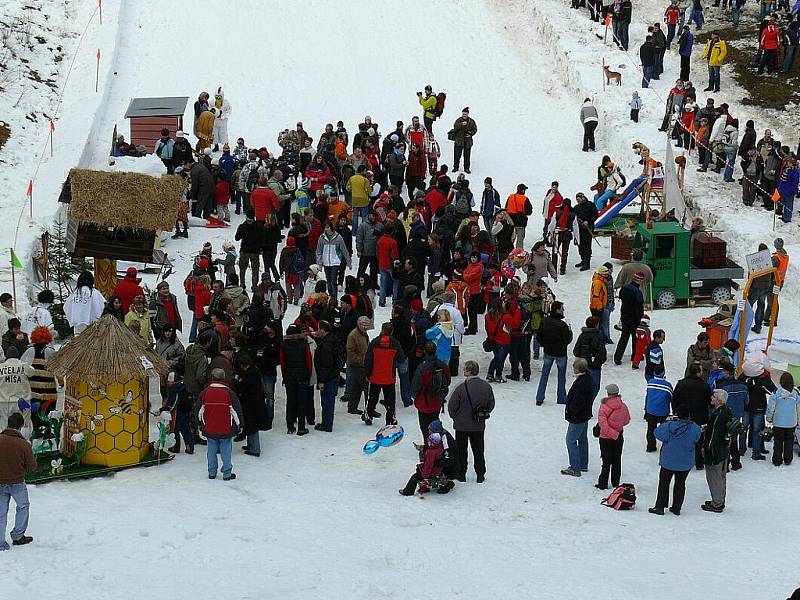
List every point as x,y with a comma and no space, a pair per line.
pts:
97,72
52,129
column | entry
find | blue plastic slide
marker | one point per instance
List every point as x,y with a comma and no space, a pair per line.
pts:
613,209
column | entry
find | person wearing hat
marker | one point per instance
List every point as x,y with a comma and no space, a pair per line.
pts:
612,418
780,260
128,288
589,120
721,425
678,436
164,147
631,313
462,133
519,208
182,153
490,204
585,215
685,44
429,387
428,104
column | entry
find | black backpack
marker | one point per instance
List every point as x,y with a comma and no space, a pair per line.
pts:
461,204
436,388
252,178
449,462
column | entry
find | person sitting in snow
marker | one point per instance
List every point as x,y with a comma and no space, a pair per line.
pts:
428,468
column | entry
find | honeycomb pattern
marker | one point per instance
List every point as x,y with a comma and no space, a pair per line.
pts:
120,437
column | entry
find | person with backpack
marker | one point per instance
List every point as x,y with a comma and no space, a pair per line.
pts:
429,387
328,361
219,414
519,208
578,413
380,364
430,454
490,204
722,427
678,437
462,133
736,403
293,266
783,414
462,199
470,405
612,418
591,346
429,105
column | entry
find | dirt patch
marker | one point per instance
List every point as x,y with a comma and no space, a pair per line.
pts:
5,133
768,91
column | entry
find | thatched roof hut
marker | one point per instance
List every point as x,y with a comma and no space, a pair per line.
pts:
106,351
128,200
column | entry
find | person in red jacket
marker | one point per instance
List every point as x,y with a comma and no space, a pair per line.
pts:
501,318
553,200
643,338
435,198
415,171
219,414
429,387
472,277
128,288
388,252
429,455
264,201
318,174
380,366
222,194
202,300
769,43
672,17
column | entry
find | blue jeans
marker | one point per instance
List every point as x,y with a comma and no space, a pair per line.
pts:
386,281
713,78
254,443
359,214
730,154
758,298
223,446
328,400
605,323
537,347
736,14
405,383
578,446
595,375
670,35
19,492
520,355
561,365
193,331
499,361
756,422
787,200
697,17
182,429
648,75
331,274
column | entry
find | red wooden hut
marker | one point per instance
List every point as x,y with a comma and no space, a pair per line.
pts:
150,115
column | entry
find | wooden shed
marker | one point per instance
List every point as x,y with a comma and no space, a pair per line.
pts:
150,115
117,215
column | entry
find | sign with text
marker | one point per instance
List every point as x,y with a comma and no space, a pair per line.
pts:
758,261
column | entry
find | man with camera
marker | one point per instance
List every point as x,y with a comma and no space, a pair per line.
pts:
428,104
470,404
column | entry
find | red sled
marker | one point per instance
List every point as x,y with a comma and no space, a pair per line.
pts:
215,223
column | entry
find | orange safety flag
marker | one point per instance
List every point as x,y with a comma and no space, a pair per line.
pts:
608,21
98,54
776,197
29,193
52,125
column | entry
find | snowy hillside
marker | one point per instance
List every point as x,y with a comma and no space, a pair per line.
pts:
314,517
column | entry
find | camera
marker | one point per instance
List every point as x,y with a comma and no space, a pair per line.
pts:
419,93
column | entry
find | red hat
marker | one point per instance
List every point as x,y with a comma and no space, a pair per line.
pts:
416,304
262,181
203,263
131,273
263,154
290,241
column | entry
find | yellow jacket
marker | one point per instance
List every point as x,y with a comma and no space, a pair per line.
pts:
205,126
428,105
599,297
715,53
359,188
143,319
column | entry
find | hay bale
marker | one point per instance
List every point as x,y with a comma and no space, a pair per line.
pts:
128,200
106,351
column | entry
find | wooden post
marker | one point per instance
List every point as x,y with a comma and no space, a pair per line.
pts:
604,73
13,279
743,329
52,129
773,314
30,195
100,7
97,72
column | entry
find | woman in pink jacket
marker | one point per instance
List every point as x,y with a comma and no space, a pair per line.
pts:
612,419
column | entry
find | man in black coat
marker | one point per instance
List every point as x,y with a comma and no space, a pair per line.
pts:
647,54
328,361
591,346
202,190
578,413
586,214
554,336
694,392
410,275
181,150
631,313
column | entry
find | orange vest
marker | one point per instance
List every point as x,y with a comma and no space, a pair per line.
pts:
783,265
516,204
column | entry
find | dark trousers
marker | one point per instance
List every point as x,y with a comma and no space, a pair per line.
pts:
699,459
678,491
520,354
182,429
428,123
474,439
413,481
736,460
652,422
628,335
170,164
414,183
455,354
768,60
611,455
328,402
473,308
585,245
426,419
388,399
359,386
457,150
372,263
588,135
685,68
782,445
269,256
297,404
635,115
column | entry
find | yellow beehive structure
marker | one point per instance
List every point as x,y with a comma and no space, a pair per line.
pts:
107,368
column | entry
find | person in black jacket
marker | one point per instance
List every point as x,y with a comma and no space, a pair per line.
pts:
252,395
410,275
577,413
402,333
202,190
759,387
586,213
419,249
296,371
591,346
250,233
631,313
694,392
328,361
554,335
181,151
647,54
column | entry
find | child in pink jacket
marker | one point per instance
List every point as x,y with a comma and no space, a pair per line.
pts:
612,419
429,454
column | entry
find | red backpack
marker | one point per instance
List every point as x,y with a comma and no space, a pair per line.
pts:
440,99
622,498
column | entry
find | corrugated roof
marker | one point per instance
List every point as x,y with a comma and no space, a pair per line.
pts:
156,107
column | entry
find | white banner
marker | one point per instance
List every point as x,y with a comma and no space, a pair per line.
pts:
673,195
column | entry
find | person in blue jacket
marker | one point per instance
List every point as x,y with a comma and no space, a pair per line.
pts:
227,163
441,334
738,401
678,437
490,204
783,413
656,404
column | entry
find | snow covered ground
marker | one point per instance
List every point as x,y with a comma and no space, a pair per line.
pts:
314,517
